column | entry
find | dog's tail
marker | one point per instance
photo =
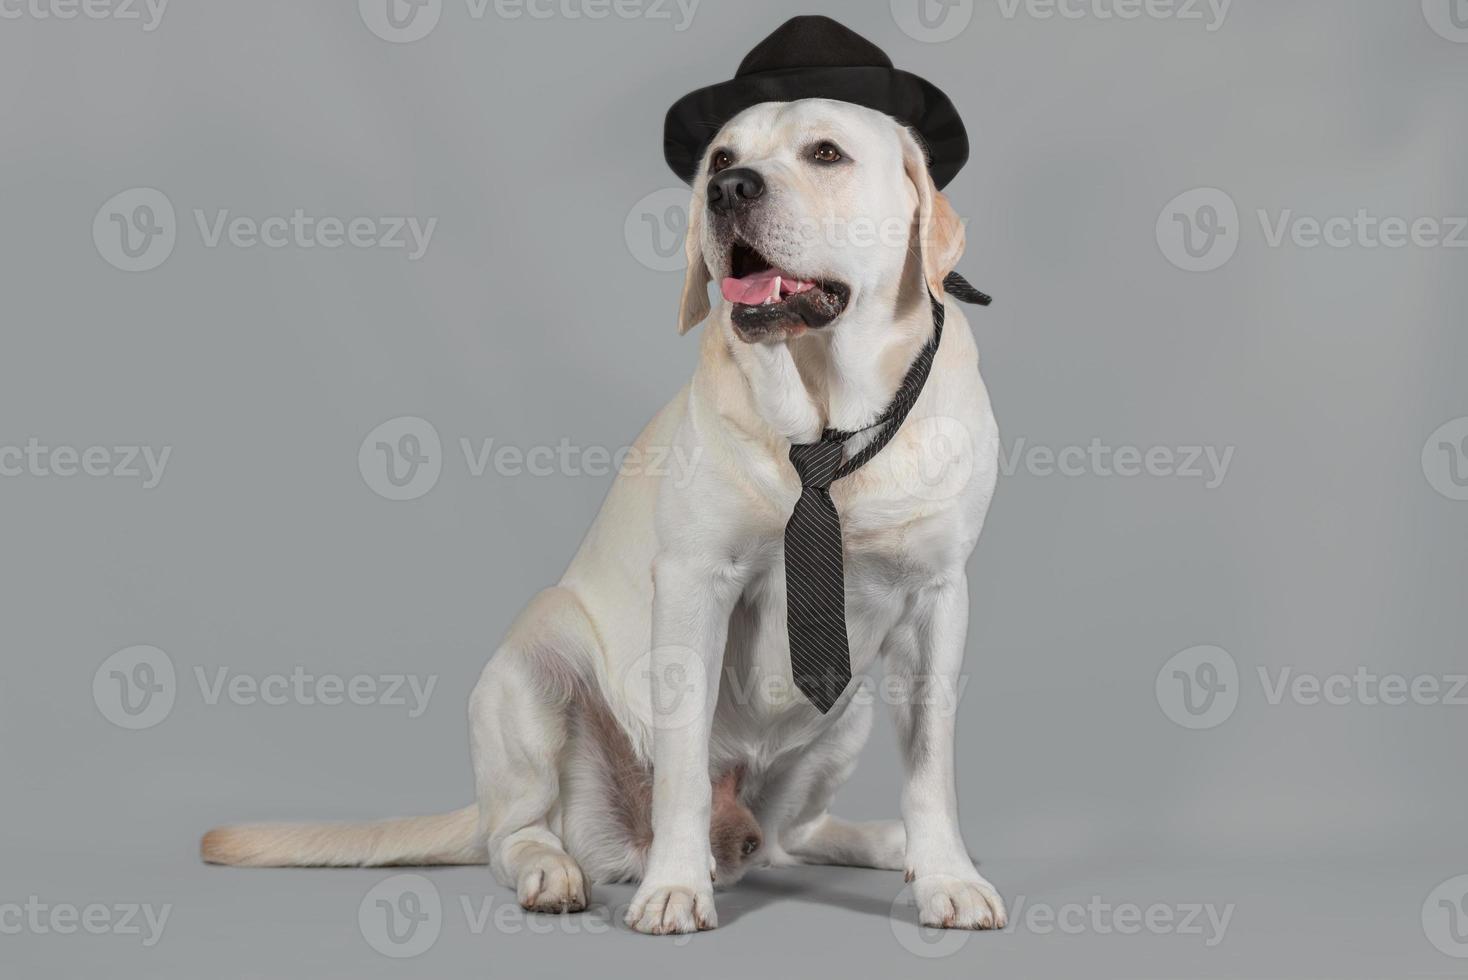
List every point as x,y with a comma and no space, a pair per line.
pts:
445,838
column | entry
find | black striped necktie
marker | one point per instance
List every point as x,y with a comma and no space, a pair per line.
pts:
815,581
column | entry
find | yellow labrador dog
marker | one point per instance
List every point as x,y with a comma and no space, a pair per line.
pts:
639,721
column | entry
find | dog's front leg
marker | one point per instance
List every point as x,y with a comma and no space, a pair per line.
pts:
949,890
691,606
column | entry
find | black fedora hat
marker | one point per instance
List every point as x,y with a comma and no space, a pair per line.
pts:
817,58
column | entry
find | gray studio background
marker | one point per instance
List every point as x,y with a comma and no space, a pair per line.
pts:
543,311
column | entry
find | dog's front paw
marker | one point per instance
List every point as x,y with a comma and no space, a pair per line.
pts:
665,910
945,902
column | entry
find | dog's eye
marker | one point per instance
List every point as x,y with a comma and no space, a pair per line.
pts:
721,160
827,153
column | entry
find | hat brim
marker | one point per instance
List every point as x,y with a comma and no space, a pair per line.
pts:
696,119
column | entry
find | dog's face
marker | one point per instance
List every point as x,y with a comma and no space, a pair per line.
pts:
801,210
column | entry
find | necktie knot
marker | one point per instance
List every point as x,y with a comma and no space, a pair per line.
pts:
817,462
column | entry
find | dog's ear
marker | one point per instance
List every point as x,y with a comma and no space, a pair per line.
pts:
694,305
940,234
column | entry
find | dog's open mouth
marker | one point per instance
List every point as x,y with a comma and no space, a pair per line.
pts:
766,299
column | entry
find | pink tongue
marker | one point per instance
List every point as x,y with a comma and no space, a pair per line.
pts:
761,288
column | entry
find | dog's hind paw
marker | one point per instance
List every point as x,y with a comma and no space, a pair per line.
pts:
550,881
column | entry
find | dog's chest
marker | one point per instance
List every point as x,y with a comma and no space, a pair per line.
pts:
909,520
893,550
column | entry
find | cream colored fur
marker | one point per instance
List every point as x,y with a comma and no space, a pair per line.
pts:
687,582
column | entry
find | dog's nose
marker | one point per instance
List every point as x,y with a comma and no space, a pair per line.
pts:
734,187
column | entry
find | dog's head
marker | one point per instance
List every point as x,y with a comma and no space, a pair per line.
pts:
803,209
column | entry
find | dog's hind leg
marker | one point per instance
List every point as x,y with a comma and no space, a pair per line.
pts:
797,803
830,840
518,731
